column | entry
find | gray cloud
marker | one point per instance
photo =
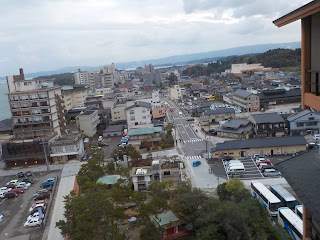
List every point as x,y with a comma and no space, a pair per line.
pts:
50,34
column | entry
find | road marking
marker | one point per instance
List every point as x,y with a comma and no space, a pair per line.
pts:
2,201
193,157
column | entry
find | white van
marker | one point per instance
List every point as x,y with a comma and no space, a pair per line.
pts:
232,161
235,169
180,114
234,165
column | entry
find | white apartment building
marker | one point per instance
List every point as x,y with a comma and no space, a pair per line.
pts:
141,178
175,92
139,116
88,78
36,109
107,76
87,122
74,97
68,147
103,91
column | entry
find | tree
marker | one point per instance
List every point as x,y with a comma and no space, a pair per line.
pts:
173,79
150,232
91,216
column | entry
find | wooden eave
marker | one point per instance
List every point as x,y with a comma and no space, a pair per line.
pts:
302,12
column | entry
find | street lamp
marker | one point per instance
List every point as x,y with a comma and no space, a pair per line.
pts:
45,152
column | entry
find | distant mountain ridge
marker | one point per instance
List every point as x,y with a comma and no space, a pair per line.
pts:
178,59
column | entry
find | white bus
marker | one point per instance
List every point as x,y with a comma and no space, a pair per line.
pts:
291,223
287,199
299,211
267,199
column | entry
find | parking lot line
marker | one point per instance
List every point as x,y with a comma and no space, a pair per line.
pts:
2,201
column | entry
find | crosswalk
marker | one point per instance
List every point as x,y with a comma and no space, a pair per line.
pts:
194,140
193,157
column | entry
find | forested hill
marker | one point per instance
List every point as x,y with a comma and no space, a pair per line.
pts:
276,58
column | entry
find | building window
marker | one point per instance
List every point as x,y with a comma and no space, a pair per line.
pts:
144,117
143,111
300,124
132,118
311,123
131,112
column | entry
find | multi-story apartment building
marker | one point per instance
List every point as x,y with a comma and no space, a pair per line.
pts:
36,109
74,97
118,114
217,115
267,124
139,116
88,78
141,178
87,122
175,92
246,100
107,76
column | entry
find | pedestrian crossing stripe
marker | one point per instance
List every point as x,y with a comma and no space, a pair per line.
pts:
193,157
195,140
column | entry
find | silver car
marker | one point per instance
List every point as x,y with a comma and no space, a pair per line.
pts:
271,173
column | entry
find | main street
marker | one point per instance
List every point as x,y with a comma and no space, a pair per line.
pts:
193,145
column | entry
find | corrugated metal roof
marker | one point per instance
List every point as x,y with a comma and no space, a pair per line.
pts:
220,110
165,218
144,131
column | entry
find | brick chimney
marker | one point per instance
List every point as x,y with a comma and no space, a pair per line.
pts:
21,74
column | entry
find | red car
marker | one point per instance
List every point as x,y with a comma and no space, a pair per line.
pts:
17,190
264,161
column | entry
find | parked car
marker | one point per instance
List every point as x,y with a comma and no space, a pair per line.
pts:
20,174
41,195
14,182
5,189
271,173
17,190
33,222
190,119
46,184
39,203
2,194
28,174
10,185
35,215
102,144
267,162
10,195
227,158
196,163
27,180
43,190
260,159
316,136
253,157
1,216
100,138
36,209
23,185
263,168
52,180
86,140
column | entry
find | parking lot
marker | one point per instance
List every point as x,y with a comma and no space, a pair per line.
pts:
16,210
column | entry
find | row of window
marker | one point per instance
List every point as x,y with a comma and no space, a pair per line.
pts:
301,124
28,97
132,118
28,105
30,119
132,111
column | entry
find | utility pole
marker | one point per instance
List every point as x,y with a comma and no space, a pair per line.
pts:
45,154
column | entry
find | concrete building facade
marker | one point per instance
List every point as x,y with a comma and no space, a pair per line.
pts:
175,92
139,116
246,100
87,122
74,97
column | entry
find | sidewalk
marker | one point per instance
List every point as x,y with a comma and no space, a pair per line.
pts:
39,168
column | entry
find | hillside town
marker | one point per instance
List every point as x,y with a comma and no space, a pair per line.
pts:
149,147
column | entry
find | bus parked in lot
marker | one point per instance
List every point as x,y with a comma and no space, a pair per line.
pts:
291,223
287,199
299,211
267,199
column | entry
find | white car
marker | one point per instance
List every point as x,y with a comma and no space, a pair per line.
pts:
100,138
5,189
2,194
35,215
37,205
23,185
33,222
316,137
86,140
260,159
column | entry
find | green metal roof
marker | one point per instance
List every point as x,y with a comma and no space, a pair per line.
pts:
165,218
144,131
112,179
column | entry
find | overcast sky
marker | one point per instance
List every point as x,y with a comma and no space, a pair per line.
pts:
50,34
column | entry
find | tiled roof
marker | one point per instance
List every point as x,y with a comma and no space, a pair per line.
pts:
279,94
301,114
242,93
267,118
302,174
165,218
260,142
219,110
144,131
6,125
